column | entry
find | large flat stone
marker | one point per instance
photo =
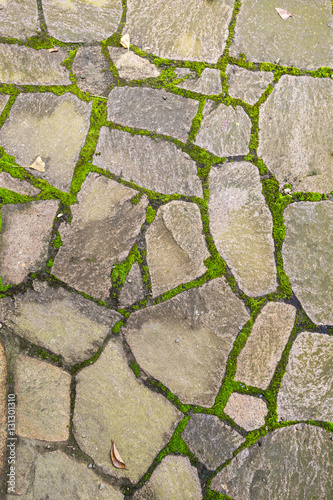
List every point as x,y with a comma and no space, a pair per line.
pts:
185,342
306,391
17,185
263,349
247,85
152,109
4,407
50,126
241,225
294,139
248,412
122,410
132,290
209,82
224,131
304,40
92,71
24,238
178,30
307,257
25,11
176,247
132,67
152,163
104,227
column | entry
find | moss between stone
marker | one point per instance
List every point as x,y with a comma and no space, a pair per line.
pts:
150,214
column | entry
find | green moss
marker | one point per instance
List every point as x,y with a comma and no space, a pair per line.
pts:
150,214
196,122
57,242
169,395
136,198
117,326
135,368
121,269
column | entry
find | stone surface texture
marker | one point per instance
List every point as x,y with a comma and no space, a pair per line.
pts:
132,290
26,454
17,185
248,412
4,408
247,85
209,82
131,66
91,70
3,101
11,11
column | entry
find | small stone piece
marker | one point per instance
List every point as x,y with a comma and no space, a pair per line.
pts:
209,82
152,163
3,101
247,85
241,225
5,406
176,247
25,11
248,412
182,72
224,131
152,109
306,391
211,441
132,67
17,185
90,63
43,400
173,479
263,349
132,290
24,238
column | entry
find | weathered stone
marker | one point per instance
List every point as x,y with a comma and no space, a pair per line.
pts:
151,163
176,247
26,66
4,406
132,67
304,40
50,126
295,148
211,441
24,238
3,101
61,321
132,290
306,391
185,341
139,421
263,349
43,400
241,225
248,412
82,20
209,82
92,71
224,131
25,11
182,72
177,30
152,109
17,185
173,479
26,453
247,85
292,463
307,257
104,227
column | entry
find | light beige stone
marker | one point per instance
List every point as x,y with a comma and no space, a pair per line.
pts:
3,101
248,412
185,342
209,82
306,391
92,71
113,405
132,290
17,185
241,225
26,454
25,11
132,67
247,85
263,349
4,407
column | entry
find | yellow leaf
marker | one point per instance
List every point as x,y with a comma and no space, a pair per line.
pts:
116,458
283,13
38,164
125,41
53,49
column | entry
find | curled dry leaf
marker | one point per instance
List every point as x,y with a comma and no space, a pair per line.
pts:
283,13
116,458
38,164
125,41
53,49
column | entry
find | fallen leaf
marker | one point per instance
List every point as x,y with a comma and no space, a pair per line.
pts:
53,49
38,164
125,41
283,13
116,458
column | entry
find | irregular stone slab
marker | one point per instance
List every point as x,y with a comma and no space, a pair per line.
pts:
104,227
151,163
25,11
24,238
3,101
132,67
50,126
17,185
224,131
140,422
92,71
247,85
4,407
211,441
306,391
197,33
132,290
61,321
176,247
269,471
209,82
43,400
303,154
241,225
248,412
152,109
307,257
173,479
26,454
257,361
304,40
82,20
182,72
185,341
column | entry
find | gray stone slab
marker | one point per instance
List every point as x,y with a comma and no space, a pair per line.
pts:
211,440
5,406
132,67
241,225
297,113
17,185
151,163
177,30
132,290
3,101
185,342
152,109
306,391
247,85
248,412
26,11
92,71
104,227
224,131
123,410
209,82
24,238
304,40
307,257
52,127
26,454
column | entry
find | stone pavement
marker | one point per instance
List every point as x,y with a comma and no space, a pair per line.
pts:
166,280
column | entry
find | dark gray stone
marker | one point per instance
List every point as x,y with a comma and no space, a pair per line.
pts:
132,290
92,71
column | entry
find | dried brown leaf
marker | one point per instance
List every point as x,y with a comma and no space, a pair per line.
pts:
53,49
125,41
38,164
116,458
283,13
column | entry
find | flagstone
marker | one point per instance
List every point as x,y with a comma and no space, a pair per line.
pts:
25,11
92,71
131,66
17,185
247,411
209,82
4,407
247,85
132,290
